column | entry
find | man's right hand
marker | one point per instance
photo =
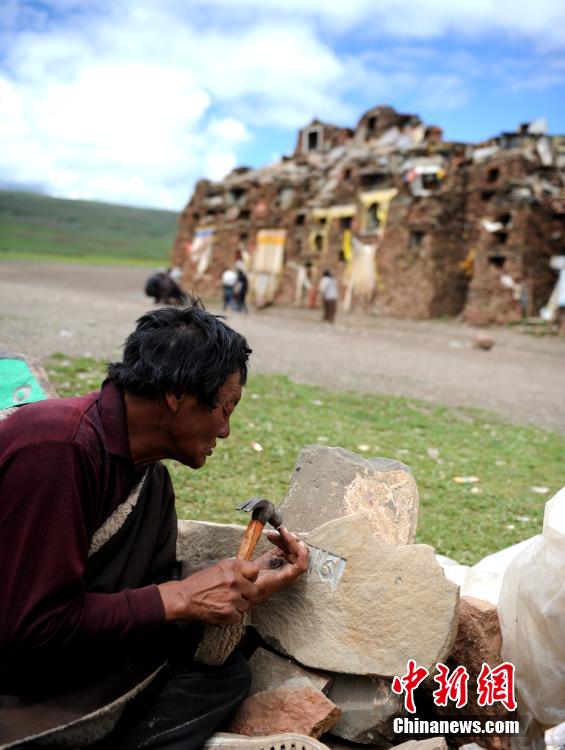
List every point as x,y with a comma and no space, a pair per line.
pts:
217,595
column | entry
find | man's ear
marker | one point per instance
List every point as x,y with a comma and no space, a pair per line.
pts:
173,401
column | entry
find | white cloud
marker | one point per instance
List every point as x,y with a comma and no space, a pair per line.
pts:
218,164
104,126
543,21
141,103
228,129
134,100
443,92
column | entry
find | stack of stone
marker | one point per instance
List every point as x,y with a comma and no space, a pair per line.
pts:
371,600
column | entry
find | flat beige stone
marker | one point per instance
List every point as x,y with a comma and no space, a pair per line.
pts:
269,671
201,541
329,483
391,604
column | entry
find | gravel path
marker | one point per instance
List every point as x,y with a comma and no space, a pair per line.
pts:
89,310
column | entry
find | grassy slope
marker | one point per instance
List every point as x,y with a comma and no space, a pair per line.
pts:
38,226
464,521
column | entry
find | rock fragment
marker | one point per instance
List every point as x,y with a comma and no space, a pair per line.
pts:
478,642
482,341
479,638
433,743
304,711
270,671
329,483
368,707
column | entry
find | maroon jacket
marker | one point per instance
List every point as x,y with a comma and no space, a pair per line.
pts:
65,465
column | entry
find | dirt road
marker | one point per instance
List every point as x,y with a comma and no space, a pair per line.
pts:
89,310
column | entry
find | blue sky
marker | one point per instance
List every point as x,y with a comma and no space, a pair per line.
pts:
132,101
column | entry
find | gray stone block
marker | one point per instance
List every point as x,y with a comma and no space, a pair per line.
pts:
329,483
368,707
270,671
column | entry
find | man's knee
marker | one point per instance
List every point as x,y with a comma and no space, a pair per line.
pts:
235,674
238,666
228,683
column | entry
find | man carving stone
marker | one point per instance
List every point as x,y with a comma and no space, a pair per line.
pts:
92,600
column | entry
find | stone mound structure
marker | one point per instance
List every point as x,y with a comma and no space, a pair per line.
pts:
410,224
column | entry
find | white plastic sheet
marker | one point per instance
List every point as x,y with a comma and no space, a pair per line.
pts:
483,580
531,609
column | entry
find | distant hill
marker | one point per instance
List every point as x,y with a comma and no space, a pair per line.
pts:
33,225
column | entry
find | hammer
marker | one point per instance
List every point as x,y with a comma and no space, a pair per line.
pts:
262,512
218,641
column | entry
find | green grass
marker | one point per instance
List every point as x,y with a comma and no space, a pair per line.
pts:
283,416
38,227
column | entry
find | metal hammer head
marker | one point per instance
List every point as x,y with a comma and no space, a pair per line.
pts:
263,510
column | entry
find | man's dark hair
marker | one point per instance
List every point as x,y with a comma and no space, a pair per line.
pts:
182,351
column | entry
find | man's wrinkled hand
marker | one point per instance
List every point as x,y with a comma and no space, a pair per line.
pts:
282,566
218,595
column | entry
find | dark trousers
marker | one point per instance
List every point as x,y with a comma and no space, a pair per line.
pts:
229,299
179,711
330,308
240,300
185,707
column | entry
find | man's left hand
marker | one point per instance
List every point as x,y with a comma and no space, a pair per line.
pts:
282,566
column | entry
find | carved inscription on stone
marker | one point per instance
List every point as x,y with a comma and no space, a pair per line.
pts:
326,566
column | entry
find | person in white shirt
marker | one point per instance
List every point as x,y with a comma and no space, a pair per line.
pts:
229,280
329,294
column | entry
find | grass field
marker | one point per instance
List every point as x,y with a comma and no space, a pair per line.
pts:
463,521
36,226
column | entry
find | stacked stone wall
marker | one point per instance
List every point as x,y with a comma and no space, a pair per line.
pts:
469,231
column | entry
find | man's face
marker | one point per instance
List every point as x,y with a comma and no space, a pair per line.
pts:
195,428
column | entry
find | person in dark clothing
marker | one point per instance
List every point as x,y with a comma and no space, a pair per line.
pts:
164,289
153,286
95,603
240,290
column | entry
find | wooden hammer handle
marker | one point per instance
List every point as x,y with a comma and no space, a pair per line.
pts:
250,539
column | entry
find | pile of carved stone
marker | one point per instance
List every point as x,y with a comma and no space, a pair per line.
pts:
371,601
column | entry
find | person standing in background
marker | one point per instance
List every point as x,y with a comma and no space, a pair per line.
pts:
241,287
229,280
329,294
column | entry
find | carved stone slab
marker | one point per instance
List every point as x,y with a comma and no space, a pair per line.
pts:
391,604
